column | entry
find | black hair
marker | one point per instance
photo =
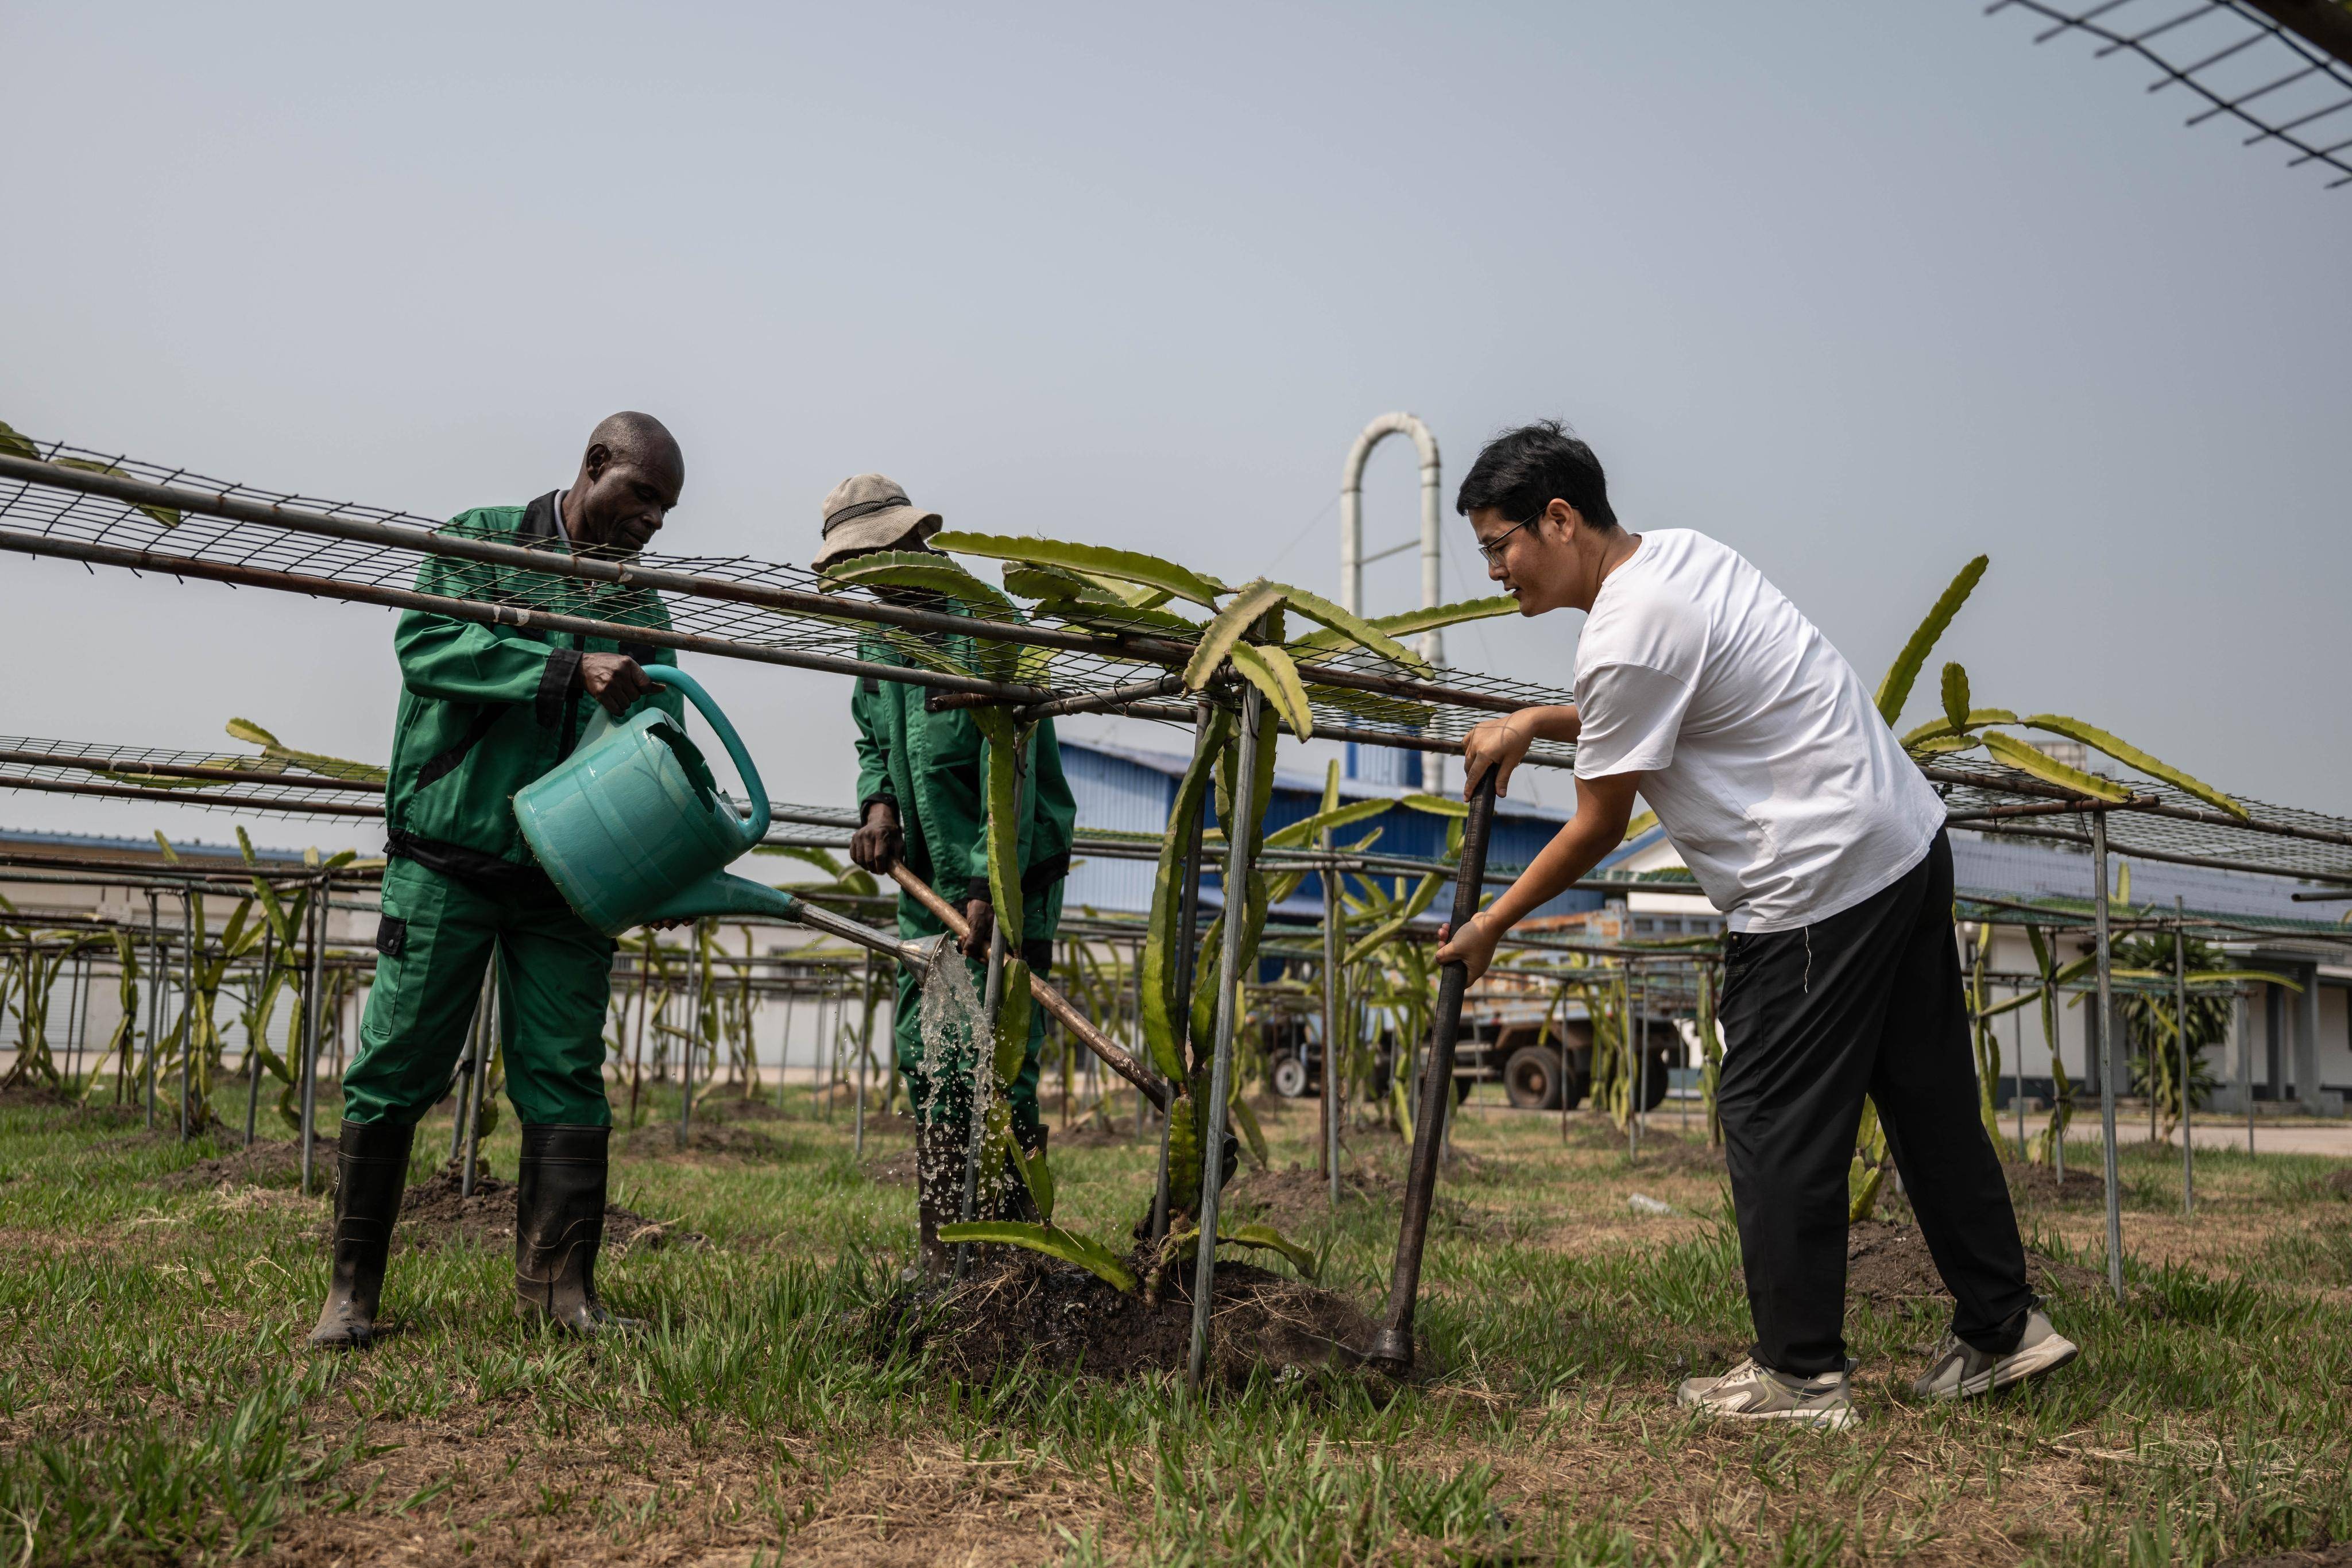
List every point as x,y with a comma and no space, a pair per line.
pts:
1522,471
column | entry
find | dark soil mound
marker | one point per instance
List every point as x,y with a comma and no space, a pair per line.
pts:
267,1163
1889,1265
891,1170
16,1095
434,1214
1292,1199
2340,1181
737,1139
728,1105
1027,1309
2339,1555
2038,1185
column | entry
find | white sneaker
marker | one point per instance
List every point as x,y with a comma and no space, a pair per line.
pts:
1960,1371
1753,1392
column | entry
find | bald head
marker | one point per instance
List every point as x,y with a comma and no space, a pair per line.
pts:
629,479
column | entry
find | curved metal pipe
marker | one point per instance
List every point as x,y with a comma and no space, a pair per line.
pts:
1352,520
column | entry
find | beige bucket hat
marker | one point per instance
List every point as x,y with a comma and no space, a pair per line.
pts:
869,512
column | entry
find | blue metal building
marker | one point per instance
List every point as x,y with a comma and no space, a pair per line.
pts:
1126,789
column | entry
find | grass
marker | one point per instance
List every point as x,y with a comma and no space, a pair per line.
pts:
156,1403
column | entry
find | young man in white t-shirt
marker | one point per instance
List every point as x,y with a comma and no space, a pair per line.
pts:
1701,688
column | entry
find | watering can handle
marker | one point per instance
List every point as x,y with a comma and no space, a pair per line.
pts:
756,826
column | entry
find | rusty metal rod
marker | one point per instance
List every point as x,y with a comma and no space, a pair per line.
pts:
1046,995
1392,1346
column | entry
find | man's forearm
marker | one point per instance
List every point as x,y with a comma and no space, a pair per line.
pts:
1560,722
1558,866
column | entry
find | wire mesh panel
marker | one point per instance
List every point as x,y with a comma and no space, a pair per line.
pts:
102,508
204,779
2229,62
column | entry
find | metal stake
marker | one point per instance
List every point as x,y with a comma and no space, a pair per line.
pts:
1187,941
2106,1074
156,1009
983,1072
2017,1058
252,1056
1637,1004
2180,1019
1392,1346
1241,847
698,957
315,1003
1331,1022
486,1015
865,1052
188,1035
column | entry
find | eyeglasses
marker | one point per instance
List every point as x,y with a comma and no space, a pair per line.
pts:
1492,549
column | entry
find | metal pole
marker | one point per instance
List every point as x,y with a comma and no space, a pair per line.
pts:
1392,1345
2180,1019
188,1035
982,1080
865,1052
2245,1065
1638,1005
486,1014
984,1052
2017,1061
156,1009
1332,1058
2106,1076
252,1054
784,1048
1187,939
464,1076
77,1020
698,957
1241,845
314,1003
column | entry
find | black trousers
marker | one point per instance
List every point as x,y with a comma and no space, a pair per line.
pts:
1868,1002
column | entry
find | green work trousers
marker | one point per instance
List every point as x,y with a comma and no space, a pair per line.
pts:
555,979
942,1088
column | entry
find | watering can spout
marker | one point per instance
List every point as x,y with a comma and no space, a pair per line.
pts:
720,893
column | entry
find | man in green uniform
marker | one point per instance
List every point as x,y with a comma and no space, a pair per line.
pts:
484,710
922,799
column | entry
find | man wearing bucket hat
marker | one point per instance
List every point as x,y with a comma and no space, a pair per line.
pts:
484,710
921,800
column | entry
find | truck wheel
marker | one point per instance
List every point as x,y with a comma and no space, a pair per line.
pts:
1531,1078
1290,1078
1659,1066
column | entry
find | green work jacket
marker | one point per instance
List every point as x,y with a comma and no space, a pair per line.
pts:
933,768
484,710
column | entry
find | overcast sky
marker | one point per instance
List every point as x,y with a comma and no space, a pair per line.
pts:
1860,289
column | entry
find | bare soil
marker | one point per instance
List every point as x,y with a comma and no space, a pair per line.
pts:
2039,1187
434,1214
892,1170
1889,1265
2339,1555
1292,1199
271,1162
730,1139
1026,1309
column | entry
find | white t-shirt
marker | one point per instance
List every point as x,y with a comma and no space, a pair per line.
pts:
1762,754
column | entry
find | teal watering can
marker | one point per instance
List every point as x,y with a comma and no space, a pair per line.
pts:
632,827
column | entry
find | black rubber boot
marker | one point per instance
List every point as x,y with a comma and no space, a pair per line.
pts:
560,1229
371,1168
940,1158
